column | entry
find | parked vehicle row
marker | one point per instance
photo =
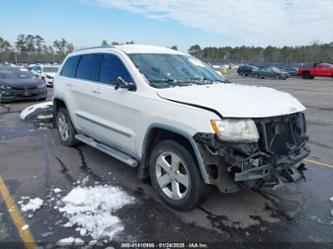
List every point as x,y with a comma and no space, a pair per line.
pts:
20,84
306,71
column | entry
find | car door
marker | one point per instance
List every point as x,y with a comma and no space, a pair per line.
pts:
320,70
326,70
269,72
115,111
79,90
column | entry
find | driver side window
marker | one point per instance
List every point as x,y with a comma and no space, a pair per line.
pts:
112,68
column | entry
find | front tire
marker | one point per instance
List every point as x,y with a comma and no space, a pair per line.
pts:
65,128
175,175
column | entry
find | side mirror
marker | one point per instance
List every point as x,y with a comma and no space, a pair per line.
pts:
120,83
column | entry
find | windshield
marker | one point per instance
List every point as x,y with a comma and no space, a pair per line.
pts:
50,69
275,69
168,70
10,73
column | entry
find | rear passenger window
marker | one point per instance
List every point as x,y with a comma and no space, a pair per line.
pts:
112,68
69,68
88,67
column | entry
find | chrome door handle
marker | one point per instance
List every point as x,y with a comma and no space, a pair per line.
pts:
97,91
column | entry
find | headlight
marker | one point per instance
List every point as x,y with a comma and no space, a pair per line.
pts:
235,130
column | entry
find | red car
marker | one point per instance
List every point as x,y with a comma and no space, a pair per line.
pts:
321,69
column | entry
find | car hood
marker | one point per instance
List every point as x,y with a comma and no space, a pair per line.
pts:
236,101
21,81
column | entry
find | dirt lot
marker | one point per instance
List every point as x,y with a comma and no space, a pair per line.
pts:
33,163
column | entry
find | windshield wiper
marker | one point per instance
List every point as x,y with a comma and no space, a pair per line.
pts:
172,82
204,80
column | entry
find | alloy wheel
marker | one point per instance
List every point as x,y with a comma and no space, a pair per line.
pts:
63,127
172,175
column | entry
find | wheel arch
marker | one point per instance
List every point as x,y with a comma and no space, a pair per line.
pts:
57,104
159,132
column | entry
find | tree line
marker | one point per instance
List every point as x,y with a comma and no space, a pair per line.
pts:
312,53
33,48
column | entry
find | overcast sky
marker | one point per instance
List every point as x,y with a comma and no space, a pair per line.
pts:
171,22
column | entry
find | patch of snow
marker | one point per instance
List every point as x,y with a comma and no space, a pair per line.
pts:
46,234
69,241
92,242
331,199
32,205
78,242
68,224
45,108
66,241
57,190
317,219
332,212
25,227
83,232
92,209
30,215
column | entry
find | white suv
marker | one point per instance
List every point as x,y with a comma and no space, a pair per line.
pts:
179,121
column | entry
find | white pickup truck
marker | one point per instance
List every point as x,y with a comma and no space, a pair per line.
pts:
179,121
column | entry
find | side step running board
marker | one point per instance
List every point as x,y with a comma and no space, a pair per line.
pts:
108,150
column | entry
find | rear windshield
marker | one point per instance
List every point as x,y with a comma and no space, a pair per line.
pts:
14,73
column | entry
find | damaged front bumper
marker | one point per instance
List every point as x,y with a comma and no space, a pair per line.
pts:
276,158
288,168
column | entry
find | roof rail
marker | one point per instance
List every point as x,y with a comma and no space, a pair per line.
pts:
107,46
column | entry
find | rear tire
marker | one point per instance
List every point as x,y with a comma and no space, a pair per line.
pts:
305,75
65,128
175,175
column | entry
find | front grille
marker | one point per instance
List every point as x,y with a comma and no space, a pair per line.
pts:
281,135
24,88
